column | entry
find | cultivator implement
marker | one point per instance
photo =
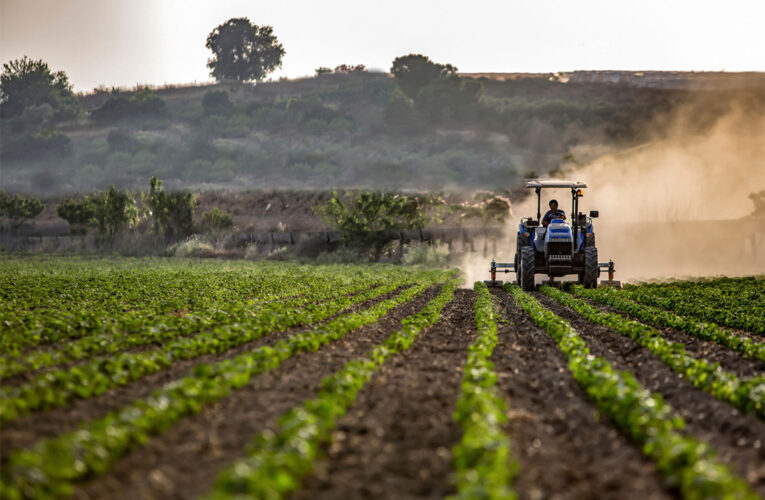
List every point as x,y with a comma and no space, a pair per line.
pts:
503,267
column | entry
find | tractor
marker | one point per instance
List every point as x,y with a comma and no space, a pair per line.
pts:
559,249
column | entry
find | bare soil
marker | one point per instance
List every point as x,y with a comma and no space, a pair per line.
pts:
396,440
566,449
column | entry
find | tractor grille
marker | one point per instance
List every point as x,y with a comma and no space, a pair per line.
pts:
559,258
562,248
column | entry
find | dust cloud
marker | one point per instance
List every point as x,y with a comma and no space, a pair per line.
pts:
675,207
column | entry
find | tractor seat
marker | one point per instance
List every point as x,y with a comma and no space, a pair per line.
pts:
557,221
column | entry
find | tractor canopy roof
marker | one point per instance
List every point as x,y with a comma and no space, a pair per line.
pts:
556,184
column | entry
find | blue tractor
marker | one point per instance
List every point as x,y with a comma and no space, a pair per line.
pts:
554,247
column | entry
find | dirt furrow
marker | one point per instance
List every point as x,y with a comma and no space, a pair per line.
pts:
565,449
184,461
396,440
738,438
26,430
729,360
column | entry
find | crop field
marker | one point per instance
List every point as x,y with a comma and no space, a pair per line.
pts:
175,379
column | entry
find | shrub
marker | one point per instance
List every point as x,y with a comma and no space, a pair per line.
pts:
36,116
217,220
52,142
426,255
193,246
120,140
216,102
143,104
342,256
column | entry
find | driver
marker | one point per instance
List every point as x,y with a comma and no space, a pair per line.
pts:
553,213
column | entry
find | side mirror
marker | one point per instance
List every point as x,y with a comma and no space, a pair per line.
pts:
594,213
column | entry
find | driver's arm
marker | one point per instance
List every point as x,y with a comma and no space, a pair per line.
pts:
546,219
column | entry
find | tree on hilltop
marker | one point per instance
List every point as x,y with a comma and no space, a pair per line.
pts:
429,91
25,82
415,71
243,51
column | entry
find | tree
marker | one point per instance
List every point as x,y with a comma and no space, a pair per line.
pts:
78,213
19,209
243,51
366,216
25,82
106,211
173,212
415,71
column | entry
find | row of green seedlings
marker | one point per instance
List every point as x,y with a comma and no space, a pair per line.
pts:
742,305
133,301
483,464
50,467
278,461
746,394
154,291
687,464
58,387
706,331
136,330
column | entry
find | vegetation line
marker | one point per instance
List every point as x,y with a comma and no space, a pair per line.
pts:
139,336
484,466
703,330
732,302
746,394
688,464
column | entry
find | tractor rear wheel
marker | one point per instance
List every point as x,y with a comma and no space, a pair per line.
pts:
589,278
527,268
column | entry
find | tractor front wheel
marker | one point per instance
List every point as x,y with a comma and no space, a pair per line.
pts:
526,275
589,278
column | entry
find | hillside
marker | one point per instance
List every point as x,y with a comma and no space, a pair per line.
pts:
339,130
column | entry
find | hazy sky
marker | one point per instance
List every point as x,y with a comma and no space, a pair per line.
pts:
120,42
